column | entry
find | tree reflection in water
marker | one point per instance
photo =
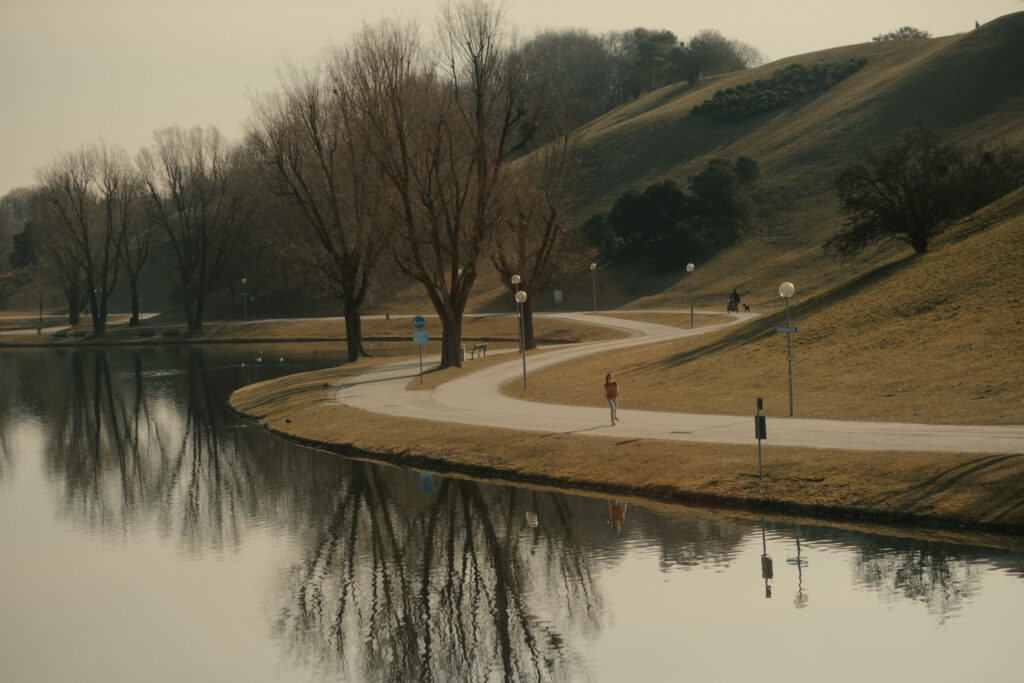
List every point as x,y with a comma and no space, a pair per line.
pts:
924,572
127,453
465,588
401,575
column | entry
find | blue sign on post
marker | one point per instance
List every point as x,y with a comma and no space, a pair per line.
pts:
419,337
419,322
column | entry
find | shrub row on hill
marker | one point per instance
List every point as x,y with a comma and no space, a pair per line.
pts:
763,95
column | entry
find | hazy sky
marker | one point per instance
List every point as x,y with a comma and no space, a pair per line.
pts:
75,71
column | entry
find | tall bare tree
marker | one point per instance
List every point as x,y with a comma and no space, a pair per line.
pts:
91,193
138,238
313,161
196,190
443,136
534,239
54,262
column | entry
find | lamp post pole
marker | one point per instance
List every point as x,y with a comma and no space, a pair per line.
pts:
520,300
245,300
689,276
593,273
786,291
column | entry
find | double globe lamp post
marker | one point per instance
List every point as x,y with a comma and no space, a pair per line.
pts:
520,300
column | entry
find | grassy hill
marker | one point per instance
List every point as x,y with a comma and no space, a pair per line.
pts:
936,338
888,336
968,87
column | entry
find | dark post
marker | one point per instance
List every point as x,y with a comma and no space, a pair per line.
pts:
760,432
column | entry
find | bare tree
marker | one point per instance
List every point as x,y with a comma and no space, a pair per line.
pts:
313,161
54,259
534,238
196,191
138,236
443,138
91,193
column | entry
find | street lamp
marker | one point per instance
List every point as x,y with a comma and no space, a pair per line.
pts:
520,300
786,291
516,280
245,300
689,276
593,272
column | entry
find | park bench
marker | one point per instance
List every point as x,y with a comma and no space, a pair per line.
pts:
478,348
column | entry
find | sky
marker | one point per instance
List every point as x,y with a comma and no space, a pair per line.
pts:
73,72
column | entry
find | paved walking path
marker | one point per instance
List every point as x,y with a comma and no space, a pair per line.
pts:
475,399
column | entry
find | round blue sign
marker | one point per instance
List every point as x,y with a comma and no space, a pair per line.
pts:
418,322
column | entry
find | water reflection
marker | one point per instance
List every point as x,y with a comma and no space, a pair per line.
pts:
391,574
801,599
923,572
465,587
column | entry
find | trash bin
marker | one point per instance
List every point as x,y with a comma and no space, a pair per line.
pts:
462,353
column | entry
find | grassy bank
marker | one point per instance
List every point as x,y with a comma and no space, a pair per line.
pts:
940,489
498,329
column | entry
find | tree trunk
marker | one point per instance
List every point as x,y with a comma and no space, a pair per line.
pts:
74,306
353,331
134,286
451,341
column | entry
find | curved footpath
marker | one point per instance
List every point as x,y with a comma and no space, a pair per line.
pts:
476,399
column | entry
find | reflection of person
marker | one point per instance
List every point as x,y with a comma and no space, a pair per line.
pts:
612,394
616,513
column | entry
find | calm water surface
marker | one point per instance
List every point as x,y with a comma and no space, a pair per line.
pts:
148,535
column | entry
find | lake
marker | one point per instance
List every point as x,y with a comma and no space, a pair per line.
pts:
148,534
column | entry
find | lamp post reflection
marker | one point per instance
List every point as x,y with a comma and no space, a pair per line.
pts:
801,598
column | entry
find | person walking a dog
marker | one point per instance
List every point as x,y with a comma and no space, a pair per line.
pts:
613,395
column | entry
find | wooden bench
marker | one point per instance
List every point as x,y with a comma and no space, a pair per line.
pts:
478,348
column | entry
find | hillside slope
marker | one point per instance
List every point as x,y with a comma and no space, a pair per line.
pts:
968,87
936,339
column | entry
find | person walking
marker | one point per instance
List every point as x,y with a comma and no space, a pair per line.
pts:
613,395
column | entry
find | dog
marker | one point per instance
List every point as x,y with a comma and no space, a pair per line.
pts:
746,308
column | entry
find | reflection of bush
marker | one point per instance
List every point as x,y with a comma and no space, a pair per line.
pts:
764,95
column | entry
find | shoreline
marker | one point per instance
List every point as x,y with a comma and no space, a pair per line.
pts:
932,491
438,464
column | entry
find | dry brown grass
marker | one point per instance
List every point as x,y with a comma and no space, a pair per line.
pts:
498,330
938,488
934,339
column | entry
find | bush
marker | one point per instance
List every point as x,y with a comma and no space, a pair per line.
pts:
664,226
764,95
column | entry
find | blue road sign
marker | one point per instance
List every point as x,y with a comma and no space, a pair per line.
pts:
419,322
785,329
420,337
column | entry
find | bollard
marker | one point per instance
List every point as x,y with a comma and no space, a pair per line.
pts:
760,432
